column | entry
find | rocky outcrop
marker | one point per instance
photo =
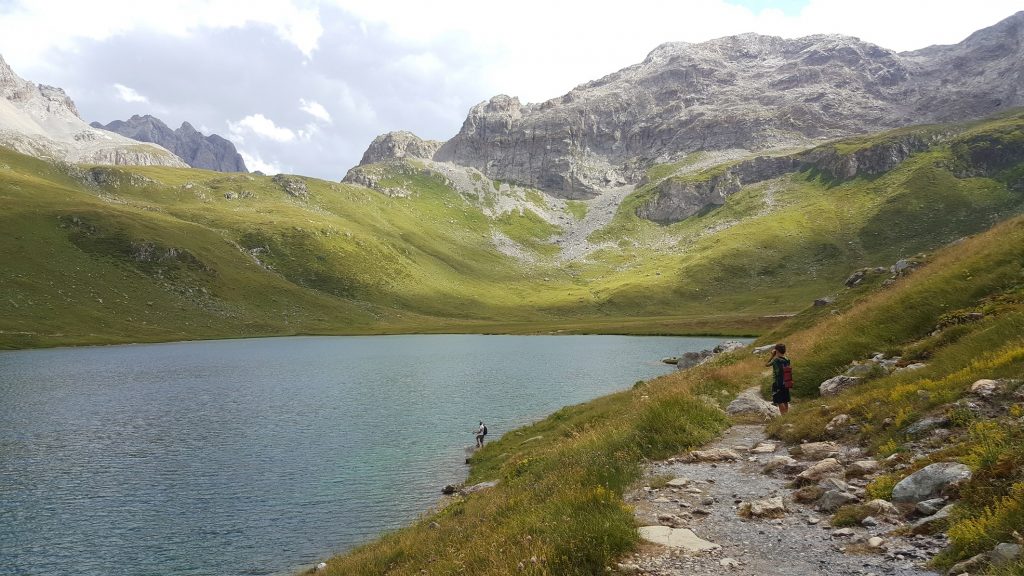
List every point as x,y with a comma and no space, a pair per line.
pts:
397,146
748,92
43,121
198,151
679,198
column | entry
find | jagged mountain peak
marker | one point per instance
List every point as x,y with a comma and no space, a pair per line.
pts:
43,121
748,91
199,151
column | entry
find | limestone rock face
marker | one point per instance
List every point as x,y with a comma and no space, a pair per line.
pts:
43,121
399,145
208,152
748,92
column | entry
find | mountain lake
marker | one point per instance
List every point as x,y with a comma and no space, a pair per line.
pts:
264,456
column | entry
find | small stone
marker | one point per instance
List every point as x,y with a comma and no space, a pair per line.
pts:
838,424
816,450
832,500
714,455
707,501
934,523
863,468
764,448
661,500
781,462
869,522
767,508
731,563
819,471
985,388
680,482
813,520
842,533
931,506
875,542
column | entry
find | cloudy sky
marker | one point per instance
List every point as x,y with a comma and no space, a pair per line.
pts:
303,87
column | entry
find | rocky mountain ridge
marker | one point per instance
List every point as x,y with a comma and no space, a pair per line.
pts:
43,121
207,152
748,92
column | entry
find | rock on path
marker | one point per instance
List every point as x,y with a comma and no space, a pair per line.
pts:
800,543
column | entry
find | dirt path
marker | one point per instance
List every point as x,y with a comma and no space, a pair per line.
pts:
799,543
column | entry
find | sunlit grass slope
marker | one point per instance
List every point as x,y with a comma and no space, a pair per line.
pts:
558,508
104,254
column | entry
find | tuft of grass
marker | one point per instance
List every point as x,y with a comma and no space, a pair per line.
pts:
850,515
577,208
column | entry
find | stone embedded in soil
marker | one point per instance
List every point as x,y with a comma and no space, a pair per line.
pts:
831,500
764,448
863,468
934,523
819,471
714,455
680,482
880,507
816,450
767,508
680,538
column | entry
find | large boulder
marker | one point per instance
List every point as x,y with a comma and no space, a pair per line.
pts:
750,402
931,481
837,384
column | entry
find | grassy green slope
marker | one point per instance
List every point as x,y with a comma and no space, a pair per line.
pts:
144,253
562,479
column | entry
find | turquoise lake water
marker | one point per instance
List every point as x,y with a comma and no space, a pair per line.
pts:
248,457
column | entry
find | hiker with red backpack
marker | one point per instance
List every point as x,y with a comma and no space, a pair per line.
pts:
782,379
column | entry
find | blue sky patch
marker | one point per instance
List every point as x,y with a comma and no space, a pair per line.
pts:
788,7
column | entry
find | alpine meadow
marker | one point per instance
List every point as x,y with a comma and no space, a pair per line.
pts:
863,206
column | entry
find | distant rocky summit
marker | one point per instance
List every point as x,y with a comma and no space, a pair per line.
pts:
748,92
395,145
43,121
208,152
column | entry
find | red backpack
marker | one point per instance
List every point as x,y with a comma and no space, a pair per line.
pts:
787,375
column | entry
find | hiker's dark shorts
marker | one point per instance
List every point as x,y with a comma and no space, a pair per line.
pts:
780,396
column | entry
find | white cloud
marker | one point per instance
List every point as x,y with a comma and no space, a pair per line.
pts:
306,134
129,94
262,126
31,28
255,163
315,109
575,42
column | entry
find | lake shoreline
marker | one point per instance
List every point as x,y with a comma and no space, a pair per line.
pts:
251,438
710,327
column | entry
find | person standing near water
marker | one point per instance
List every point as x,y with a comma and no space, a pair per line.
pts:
480,433
779,363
